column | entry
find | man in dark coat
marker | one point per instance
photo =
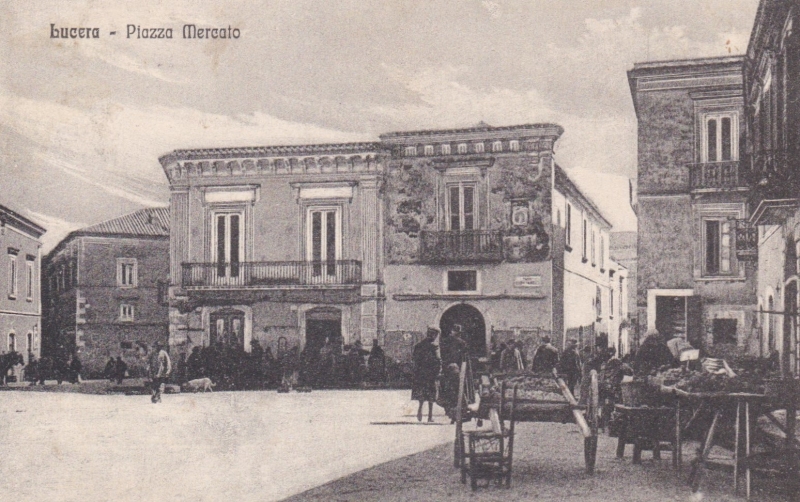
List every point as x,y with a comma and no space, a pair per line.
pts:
653,354
120,369
570,365
452,348
426,369
546,357
377,363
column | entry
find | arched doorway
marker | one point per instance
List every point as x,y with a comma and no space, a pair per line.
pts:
473,327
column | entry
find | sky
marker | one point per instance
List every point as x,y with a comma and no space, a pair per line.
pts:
83,121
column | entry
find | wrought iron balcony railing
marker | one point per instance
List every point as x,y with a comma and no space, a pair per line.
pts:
461,246
716,175
270,274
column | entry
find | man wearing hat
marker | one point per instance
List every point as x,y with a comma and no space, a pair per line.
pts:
426,369
160,368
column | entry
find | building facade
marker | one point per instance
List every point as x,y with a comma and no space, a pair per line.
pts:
692,204
105,291
355,242
624,251
772,110
20,291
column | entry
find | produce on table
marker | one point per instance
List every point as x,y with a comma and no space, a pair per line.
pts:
529,386
706,382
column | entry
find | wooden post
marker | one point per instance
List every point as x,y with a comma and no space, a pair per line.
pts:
579,418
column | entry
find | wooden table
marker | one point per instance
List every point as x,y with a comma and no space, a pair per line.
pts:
642,425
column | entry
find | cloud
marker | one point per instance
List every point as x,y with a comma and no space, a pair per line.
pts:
57,228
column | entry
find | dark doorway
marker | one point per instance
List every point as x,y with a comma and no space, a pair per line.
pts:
227,327
671,316
322,323
472,324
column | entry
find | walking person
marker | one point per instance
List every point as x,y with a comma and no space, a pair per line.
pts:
426,368
160,368
570,365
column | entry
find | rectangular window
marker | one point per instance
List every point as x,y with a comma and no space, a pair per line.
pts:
461,206
479,147
594,254
126,272
724,331
568,230
603,254
717,247
462,148
324,240
720,138
445,149
462,280
126,312
410,151
12,277
584,244
513,145
611,303
29,281
497,146
428,150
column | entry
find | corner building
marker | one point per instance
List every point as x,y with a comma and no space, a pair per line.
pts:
696,248
366,241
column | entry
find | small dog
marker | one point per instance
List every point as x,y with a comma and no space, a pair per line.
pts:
198,384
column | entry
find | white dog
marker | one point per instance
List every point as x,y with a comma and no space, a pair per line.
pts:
198,384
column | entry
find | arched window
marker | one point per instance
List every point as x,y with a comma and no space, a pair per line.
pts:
12,342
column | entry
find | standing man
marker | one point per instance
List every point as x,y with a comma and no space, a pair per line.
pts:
160,368
570,365
545,358
426,369
452,348
120,370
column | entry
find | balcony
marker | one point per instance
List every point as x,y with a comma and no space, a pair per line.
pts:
775,186
461,246
271,274
716,176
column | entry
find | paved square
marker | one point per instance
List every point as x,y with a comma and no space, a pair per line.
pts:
226,445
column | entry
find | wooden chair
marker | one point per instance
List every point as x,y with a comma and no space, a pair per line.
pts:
490,452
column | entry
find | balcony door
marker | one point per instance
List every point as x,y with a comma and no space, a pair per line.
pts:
323,243
227,246
461,206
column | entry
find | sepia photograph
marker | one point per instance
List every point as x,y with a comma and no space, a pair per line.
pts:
399,250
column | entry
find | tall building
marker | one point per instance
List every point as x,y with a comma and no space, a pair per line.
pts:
772,110
364,241
20,292
696,274
105,291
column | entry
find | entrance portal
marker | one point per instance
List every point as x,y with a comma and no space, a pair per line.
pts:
322,323
473,327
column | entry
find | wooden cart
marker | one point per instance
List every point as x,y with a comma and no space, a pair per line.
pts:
586,417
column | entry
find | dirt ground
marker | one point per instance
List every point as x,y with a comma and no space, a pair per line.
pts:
548,465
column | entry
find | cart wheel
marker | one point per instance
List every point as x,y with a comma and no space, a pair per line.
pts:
593,419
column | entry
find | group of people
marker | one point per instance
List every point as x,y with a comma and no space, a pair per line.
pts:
116,370
62,368
430,360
